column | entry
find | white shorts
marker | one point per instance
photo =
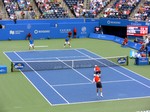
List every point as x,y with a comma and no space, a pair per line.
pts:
67,42
31,45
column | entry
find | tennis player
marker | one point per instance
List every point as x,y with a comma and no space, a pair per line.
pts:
31,43
97,70
97,80
67,42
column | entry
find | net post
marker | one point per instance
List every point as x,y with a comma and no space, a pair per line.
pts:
127,60
12,66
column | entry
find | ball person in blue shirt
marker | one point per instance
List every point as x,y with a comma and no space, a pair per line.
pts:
67,42
31,43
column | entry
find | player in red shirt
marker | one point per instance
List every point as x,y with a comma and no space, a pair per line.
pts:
97,70
97,80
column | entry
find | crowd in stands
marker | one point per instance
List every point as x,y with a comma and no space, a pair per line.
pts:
121,9
14,7
143,12
53,9
79,10
96,6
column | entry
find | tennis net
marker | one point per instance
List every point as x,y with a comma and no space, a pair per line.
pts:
68,64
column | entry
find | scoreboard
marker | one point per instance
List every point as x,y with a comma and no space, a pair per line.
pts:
137,30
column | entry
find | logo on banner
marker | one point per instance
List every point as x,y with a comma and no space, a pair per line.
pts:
41,31
135,45
19,65
117,40
83,30
2,70
147,23
16,32
64,30
11,32
28,26
113,22
136,23
122,60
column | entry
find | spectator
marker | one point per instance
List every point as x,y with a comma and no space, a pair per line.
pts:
69,34
137,55
28,36
22,14
97,29
125,41
0,15
15,18
142,49
146,40
74,32
138,41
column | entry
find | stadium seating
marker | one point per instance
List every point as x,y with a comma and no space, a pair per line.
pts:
121,9
13,6
77,8
143,12
51,10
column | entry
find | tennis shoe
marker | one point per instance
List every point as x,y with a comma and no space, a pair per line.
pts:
101,95
97,94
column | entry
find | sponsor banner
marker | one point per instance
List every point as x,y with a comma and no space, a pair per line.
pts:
3,69
19,66
122,60
47,29
102,36
142,61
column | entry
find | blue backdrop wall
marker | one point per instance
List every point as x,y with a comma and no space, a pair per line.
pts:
46,28
58,28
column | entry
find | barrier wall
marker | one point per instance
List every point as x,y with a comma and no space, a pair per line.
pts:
46,28
58,28
116,39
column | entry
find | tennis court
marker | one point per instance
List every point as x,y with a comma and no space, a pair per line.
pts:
70,85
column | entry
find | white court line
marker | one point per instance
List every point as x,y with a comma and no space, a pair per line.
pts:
75,70
76,84
36,88
97,101
31,83
44,80
40,46
54,57
119,72
44,50
119,99
115,69
120,66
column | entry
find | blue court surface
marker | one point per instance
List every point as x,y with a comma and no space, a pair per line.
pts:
73,86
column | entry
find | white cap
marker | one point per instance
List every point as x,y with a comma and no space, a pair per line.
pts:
95,65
